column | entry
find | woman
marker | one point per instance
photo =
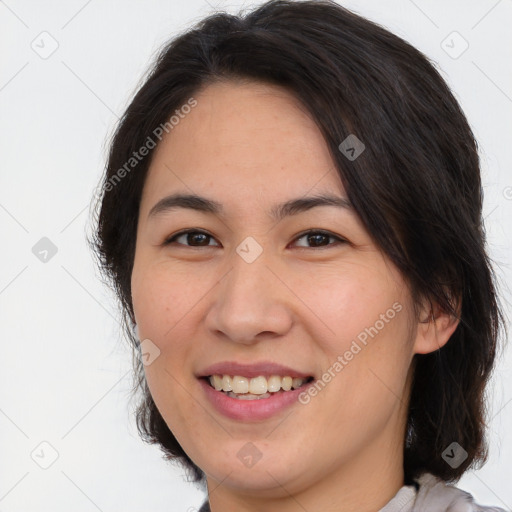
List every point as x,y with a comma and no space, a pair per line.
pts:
291,218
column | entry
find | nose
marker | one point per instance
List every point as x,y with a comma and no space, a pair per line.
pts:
250,303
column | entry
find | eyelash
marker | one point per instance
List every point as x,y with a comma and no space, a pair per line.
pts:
171,239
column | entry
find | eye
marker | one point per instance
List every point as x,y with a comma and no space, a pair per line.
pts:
191,236
200,238
317,236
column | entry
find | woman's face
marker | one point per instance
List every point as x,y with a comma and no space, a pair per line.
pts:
256,289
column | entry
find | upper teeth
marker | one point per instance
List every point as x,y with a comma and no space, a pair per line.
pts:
257,385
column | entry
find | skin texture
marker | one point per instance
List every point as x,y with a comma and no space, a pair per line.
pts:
250,146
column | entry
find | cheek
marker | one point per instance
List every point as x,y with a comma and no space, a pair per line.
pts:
163,302
366,321
163,296
349,301
166,302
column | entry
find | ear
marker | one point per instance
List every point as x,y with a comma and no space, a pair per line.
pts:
434,328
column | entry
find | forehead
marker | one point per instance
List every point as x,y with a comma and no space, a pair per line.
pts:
250,138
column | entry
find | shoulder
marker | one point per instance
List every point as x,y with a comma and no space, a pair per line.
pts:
435,494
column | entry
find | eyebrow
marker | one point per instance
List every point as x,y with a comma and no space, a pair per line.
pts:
277,213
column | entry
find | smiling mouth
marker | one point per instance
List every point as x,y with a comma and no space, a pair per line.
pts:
255,388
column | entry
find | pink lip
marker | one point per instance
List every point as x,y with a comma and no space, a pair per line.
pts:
264,368
251,410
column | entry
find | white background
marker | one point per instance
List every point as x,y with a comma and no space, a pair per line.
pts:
64,369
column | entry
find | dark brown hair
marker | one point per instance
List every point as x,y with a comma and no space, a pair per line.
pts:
416,187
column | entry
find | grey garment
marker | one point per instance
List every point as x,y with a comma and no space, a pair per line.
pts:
205,507
403,501
434,495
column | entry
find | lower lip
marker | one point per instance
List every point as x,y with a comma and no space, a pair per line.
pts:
251,410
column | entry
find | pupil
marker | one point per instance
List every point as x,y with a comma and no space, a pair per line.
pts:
316,238
195,235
